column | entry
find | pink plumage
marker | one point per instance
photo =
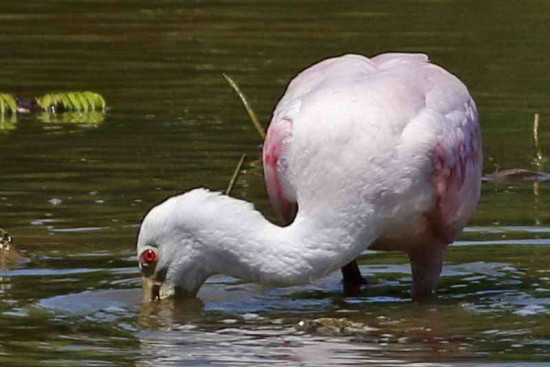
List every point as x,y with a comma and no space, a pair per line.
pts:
407,106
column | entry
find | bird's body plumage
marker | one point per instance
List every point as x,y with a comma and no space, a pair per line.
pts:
382,152
394,134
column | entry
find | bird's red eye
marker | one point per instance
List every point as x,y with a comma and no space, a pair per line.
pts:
148,256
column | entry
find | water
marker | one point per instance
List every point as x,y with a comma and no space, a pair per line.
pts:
73,192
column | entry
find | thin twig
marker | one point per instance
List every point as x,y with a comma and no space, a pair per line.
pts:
538,152
539,159
249,109
235,175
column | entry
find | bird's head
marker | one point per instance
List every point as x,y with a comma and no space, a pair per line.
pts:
170,255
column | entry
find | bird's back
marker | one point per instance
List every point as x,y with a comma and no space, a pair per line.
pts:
393,138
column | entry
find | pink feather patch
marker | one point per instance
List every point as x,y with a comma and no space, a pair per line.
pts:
456,177
275,170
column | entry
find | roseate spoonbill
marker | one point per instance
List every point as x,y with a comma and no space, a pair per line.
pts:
381,153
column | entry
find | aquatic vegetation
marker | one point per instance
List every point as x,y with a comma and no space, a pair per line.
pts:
255,121
539,157
57,107
251,113
333,326
9,256
235,175
85,101
93,117
8,104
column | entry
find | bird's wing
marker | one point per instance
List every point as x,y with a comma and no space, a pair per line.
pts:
456,178
447,130
277,174
281,193
455,150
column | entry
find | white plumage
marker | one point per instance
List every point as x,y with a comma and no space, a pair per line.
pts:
382,153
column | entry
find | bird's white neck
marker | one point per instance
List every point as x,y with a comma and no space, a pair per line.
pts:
264,253
237,240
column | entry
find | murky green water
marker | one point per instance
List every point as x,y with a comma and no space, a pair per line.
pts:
74,193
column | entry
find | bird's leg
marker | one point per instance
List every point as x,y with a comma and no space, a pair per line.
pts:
426,264
352,279
352,274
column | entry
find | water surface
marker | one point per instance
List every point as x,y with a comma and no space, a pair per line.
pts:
73,190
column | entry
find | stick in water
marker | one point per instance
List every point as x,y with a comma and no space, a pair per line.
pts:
235,175
249,109
539,157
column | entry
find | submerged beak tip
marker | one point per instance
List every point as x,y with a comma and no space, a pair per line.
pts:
155,292
151,289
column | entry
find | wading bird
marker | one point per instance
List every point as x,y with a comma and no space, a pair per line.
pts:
381,153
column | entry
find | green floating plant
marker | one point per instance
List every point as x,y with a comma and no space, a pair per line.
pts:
8,123
8,112
8,104
91,118
71,102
